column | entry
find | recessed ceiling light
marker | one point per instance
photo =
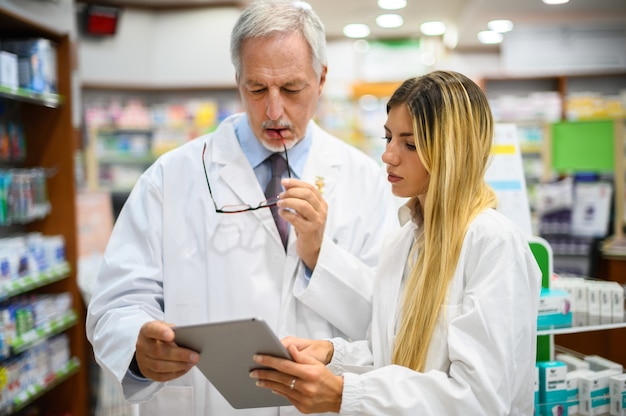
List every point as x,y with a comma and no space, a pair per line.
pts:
501,26
433,28
356,30
490,37
555,1
389,20
392,4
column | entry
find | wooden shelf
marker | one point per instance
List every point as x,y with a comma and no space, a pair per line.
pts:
51,144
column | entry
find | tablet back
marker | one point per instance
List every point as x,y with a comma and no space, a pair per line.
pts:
226,350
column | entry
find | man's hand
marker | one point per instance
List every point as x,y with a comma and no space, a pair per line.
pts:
305,209
321,350
158,357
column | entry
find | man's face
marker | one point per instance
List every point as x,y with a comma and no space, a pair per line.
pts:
279,88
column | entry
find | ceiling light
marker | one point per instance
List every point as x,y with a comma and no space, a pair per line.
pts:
555,1
433,28
501,26
392,4
490,37
389,20
356,30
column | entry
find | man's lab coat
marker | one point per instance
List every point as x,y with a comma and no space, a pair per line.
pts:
173,258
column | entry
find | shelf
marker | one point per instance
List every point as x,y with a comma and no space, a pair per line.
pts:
27,96
593,323
28,283
35,391
54,327
126,160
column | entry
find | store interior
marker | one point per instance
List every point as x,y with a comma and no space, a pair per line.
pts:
126,81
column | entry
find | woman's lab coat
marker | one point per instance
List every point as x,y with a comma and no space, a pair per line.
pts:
172,257
481,360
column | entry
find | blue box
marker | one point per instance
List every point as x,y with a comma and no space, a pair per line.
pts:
36,63
553,388
554,309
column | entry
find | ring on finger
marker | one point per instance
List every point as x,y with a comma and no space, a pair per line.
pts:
293,384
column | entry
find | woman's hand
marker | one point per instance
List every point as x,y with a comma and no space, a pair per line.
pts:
305,382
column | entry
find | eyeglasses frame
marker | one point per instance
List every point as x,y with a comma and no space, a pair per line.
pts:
263,204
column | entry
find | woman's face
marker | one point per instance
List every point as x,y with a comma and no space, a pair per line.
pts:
406,173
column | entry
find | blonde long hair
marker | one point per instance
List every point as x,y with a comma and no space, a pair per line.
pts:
453,128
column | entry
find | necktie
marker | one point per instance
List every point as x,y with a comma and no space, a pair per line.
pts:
273,189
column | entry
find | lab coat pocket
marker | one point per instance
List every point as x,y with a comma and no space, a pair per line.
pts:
171,400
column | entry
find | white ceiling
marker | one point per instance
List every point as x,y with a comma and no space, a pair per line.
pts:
467,16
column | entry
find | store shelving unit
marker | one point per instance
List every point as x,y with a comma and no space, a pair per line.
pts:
50,143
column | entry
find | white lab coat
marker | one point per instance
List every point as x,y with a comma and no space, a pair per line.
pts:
481,360
172,257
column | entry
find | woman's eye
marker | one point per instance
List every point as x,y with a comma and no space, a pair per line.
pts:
387,139
411,146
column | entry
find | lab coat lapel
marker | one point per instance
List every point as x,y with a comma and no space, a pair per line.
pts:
388,296
322,165
236,174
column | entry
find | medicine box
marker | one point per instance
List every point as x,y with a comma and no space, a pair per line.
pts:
552,387
594,393
8,70
617,388
597,363
577,288
537,408
554,309
573,391
573,363
37,63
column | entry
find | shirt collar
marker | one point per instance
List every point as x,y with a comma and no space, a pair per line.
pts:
256,153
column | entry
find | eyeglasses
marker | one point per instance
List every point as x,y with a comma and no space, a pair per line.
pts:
236,208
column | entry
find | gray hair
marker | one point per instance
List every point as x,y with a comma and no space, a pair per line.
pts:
264,18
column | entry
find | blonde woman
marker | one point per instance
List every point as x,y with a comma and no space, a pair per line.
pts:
457,290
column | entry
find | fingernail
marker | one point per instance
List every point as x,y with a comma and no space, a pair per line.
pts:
193,357
256,358
253,374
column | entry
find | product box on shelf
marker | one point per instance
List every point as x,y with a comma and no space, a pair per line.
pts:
37,63
8,69
573,390
554,309
552,387
597,363
617,387
573,363
594,392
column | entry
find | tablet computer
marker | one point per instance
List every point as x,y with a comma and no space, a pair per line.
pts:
226,350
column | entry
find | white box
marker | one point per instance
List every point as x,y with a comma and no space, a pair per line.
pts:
593,298
617,388
594,393
8,70
577,288
573,363
573,390
597,363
